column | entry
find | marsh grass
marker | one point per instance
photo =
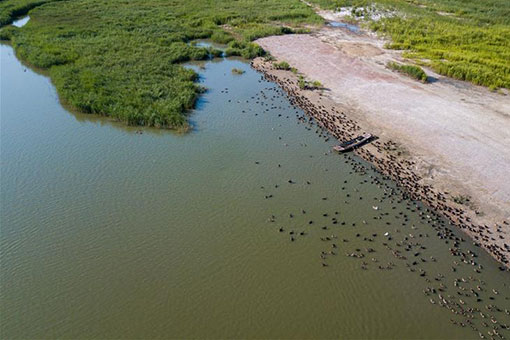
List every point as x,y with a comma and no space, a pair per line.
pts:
122,59
411,71
11,9
463,39
237,71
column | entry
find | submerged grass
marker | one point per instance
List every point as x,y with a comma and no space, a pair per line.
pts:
463,39
122,58
237,71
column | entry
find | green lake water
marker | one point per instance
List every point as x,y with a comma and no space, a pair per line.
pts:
109,233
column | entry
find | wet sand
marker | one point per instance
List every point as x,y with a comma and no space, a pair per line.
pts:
438,140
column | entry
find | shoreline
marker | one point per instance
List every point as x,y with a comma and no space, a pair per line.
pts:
387,157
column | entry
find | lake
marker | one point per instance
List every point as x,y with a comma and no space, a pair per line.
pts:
247,226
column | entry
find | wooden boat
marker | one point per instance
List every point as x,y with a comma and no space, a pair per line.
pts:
353,143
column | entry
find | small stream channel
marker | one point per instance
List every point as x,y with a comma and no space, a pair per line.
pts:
21,21
339,24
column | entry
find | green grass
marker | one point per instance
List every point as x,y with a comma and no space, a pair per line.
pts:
308,85
237,71
11,9
302,82
244,49
460,199
412,71
315,84
122,59
463,39
282,65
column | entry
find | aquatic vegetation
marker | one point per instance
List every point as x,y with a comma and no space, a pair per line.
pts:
221,37
463,39
244,49
237,71
412,71
214,52
122,60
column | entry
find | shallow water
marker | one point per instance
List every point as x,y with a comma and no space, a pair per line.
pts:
209,43
352,28
21,22
106,232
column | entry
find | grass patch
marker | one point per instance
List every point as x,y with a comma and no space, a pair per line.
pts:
463,39
122,59
282,65
461,199
301,82
237,71
309,85
221,37
315,85
412,71
244,49
12,9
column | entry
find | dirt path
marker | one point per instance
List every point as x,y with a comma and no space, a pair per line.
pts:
455,135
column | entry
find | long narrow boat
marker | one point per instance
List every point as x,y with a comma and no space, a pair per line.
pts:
353,143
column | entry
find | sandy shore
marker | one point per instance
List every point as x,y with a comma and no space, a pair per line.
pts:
441,140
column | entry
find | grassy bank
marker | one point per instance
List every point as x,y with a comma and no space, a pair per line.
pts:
463,39
122,58
11,9
411,71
